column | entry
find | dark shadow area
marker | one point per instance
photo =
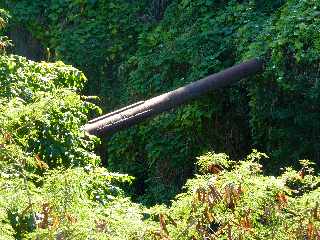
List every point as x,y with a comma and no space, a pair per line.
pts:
25,44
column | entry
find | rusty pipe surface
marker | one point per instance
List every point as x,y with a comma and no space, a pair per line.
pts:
137,112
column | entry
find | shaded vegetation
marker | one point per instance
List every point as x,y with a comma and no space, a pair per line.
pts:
130,54
52,184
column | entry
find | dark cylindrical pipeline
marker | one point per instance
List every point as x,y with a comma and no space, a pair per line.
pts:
137,112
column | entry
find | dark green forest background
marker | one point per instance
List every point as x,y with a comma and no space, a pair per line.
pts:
133,50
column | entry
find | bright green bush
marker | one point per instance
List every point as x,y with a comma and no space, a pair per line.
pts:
40,109
241,203
79,203
50,183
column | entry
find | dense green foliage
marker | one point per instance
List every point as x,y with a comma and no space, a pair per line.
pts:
51,182
235,201
95,36
285,100
4,41
40,110
49,196
129,55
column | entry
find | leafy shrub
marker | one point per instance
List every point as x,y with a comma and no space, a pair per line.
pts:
39,112
74,203
50,183
242,203
23,78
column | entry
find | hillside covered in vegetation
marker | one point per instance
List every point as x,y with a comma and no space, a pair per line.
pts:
148,182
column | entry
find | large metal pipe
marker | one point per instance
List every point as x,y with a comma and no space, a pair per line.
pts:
135,113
